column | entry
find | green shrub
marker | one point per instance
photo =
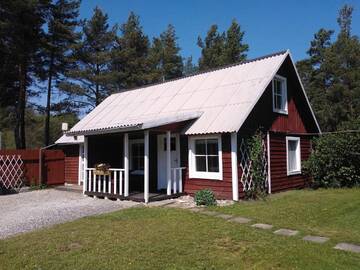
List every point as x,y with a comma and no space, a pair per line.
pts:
335,160
259,188
205,197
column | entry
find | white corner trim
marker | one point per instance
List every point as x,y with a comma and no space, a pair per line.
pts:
268,161
298,154
204,175
234,167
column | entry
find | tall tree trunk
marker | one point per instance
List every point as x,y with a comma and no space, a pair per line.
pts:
48,103
97,87
20,140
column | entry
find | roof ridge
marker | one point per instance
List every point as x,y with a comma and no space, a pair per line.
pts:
205,71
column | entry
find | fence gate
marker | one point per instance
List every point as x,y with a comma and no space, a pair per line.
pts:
11,171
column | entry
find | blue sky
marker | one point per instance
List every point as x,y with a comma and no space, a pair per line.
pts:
269,26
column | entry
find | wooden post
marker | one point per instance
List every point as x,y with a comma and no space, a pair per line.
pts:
85,163
168,162
234,167
146,166
126,164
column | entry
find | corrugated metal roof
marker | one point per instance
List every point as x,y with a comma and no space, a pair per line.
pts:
221,100
70,139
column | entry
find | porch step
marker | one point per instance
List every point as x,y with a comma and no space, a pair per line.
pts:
70,188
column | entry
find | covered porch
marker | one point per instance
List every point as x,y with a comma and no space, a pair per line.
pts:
144,165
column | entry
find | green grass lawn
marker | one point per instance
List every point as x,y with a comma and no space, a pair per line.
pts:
165,238
334,213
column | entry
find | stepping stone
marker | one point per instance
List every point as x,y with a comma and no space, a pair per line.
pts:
348,247
316,239
225,216
286,232
262,226
195,209
240,220
210,213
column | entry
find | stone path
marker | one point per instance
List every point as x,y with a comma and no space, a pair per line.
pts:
186,204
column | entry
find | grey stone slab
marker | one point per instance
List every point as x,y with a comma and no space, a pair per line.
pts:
196,209
241,220
286,232
316,239
210,213
262,226
348,247
225,216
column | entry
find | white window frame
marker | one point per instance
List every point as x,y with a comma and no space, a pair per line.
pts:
283,94
298,155
192,165
131,143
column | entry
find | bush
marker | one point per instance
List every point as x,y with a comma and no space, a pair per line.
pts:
335,160
205,197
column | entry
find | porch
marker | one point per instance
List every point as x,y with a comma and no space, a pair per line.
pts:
144,166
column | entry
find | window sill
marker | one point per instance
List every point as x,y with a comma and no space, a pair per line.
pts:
280,111
293,173
206,176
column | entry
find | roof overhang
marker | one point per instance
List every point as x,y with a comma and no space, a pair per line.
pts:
142,125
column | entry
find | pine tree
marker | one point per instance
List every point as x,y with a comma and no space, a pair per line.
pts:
219,49
212,49
189,67
61,35
130,55
22,22
331,75
235,50
91,80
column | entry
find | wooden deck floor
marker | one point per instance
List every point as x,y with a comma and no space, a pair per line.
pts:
134,196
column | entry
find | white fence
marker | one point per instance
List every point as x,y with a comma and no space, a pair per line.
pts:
176,180
11,171
110,184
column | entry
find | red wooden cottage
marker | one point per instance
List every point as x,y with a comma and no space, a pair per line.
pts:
187,134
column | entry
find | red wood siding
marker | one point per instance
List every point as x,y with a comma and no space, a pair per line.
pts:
279,179
221,188
71,163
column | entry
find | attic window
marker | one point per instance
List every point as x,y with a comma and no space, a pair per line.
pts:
279,88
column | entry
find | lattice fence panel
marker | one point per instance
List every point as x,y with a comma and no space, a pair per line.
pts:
11,171
245,165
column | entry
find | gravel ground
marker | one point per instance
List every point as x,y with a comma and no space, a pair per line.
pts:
28,211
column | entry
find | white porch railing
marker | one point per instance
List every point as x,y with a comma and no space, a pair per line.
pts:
110,184
176,180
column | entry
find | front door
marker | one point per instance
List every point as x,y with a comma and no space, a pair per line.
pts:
175,158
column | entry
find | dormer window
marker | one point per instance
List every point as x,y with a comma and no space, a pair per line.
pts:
279,88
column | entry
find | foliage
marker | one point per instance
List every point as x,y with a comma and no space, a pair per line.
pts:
130,55
164,56
335,162
59,40
219,49
258,190
331,74
205,197
91,79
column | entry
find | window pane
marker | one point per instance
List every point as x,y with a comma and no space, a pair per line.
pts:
172,144
200,147
278,102
292,156
200,163
212,147
213,163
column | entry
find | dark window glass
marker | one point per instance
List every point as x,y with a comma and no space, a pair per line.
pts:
213,163
200,147
172,144
212,147
200,163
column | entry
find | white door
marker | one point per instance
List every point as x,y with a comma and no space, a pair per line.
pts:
175,157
